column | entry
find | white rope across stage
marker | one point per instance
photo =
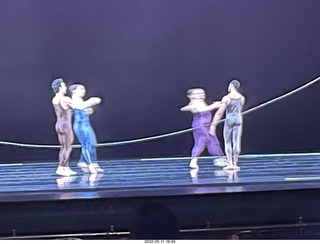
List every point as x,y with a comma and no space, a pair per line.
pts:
118,143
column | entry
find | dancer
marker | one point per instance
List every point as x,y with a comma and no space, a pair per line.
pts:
82,162
201,122
63,110
82,127
232,131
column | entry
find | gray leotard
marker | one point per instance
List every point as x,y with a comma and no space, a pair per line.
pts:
233,129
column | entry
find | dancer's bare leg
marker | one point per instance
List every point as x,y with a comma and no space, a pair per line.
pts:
65,137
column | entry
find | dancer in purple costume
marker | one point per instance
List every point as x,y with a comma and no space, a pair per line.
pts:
201,122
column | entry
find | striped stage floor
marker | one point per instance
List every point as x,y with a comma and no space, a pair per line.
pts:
159,177
269,189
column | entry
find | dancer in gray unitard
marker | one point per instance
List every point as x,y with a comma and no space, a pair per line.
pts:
232,130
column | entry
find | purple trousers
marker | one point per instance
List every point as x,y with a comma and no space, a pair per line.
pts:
201,136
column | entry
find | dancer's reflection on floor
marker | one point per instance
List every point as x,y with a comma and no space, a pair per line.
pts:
85,180
232,174
194,175
90,179
65,181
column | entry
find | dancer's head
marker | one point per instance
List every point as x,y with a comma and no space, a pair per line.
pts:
234,84
196,93
77,90
59,85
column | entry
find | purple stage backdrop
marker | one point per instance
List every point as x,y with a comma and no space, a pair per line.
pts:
141,57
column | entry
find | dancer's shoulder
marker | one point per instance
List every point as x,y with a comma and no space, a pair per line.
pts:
226,99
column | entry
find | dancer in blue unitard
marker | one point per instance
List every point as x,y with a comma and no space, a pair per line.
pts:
82,127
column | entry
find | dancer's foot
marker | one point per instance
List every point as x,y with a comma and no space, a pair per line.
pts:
83,166
220,162
194,163
71,172
236,167
92,169
62,171
228,167
98,168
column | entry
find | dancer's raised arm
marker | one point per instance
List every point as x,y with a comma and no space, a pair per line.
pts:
78,91
188,108
211,107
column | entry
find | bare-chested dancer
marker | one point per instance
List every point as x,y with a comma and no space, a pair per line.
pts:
201,123
63,109
232,130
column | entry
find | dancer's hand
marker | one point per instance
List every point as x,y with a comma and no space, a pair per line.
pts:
89,111
96,100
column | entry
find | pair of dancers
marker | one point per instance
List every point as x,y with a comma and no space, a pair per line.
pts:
204,133
64,107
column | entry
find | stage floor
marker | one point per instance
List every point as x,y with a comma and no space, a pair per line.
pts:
30,181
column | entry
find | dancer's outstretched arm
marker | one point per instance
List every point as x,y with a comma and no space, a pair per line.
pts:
196,109
218,115
87,104
211,107
188,108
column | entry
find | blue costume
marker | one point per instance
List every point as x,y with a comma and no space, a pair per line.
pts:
85,134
